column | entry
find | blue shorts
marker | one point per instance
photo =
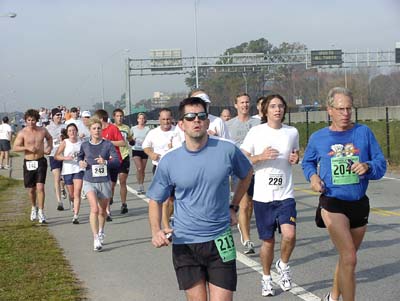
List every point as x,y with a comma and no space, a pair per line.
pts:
69,179
269,216
54,164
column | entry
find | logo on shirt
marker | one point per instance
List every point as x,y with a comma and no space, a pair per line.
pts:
340,150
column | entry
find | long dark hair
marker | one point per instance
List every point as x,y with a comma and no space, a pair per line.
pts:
265,103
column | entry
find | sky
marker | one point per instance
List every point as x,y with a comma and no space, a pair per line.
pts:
55,52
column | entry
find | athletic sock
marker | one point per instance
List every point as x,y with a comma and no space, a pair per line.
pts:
266,277
282,265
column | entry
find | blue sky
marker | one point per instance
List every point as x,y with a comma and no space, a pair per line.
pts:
52,52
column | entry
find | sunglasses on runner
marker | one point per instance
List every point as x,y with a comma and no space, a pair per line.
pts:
192,116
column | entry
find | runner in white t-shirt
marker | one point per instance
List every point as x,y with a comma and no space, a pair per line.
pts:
273,149
157,142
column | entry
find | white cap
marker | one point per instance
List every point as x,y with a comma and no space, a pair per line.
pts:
203,96
86,114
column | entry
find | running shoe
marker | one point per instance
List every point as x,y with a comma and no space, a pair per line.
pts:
63,194
285,280
111,201
1,166
75,220
34,214
6,167
267,288
42,218
124,208
248,247
83,196
101,237
109,218
141,189
327,297
60,206
97,246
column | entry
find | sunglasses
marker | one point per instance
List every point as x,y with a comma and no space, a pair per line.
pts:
192,116
57,115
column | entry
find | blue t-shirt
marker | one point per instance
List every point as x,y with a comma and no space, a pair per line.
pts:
90,152
201,182
327,147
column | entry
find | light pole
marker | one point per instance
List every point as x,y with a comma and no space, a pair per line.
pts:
9,15
102,72
196,63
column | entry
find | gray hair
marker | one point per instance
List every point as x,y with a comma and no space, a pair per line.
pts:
338,90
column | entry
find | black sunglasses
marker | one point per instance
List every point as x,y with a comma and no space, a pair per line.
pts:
192,116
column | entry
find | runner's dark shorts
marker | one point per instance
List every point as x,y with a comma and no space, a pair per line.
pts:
193,262
5,145
69,179
114,173
125,165
54,164
141,154
32,177
356,211
269,216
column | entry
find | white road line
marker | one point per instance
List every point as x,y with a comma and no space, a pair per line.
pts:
389,178
296,289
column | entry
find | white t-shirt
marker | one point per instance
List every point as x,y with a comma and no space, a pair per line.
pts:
158,140
273,178
5,131
82,129
70,167
218,125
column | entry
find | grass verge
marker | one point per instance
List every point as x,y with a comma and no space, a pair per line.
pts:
33,267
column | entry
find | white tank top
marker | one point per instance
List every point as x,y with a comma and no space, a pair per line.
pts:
71,149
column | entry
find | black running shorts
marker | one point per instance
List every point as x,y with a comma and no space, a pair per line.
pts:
193,262
356,211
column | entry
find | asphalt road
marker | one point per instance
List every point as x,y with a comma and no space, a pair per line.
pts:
130,268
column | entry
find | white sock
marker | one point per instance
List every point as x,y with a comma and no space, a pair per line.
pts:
282,264
331,299
34,208
40,211
101,230
266,277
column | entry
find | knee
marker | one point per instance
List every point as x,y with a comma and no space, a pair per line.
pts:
289,236
349,259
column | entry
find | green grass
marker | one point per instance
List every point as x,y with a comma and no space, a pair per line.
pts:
377,127
33,267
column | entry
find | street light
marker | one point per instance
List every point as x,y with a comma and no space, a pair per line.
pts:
9,15
102,72
196,63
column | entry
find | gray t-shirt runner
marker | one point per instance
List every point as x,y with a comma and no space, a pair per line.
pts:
238,129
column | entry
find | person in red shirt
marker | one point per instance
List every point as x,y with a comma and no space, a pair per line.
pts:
112,133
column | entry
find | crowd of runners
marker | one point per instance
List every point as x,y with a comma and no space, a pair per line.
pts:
210,173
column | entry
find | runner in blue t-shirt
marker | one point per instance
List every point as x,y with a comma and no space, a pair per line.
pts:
339,161
203,249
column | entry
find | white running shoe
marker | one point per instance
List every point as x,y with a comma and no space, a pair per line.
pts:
101,237
248,247
267,288
34,214
42,217
97,246
285,280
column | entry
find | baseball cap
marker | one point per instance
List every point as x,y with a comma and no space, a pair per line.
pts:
203,96
55,111
86,114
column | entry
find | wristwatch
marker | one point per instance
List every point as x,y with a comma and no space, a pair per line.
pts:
234,207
